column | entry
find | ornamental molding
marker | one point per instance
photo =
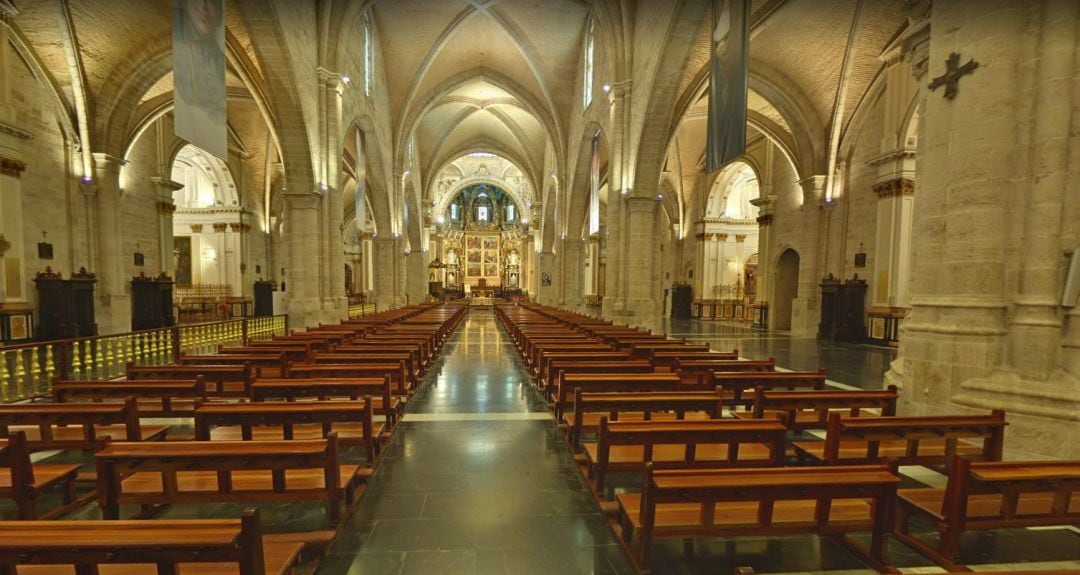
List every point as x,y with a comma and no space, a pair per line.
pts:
8,129
11,167
894,188
897,155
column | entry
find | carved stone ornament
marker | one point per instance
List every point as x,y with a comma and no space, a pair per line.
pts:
895,187
5,245
953,72
12,167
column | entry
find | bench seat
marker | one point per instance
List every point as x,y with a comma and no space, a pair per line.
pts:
634,455
256,481
74,433
46,475
676,519
591,420
984,505
278,557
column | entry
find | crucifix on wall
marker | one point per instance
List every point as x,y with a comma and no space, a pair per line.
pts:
951,78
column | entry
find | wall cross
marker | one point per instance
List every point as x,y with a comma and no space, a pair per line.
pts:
951,78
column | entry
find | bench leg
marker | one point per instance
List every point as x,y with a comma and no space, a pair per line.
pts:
69,490
27,508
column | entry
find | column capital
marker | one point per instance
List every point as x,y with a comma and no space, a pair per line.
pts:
166,207
103,160
302,201
722,237
640,204
196,228
220,228
11,167
740,238
764,220
166,184
894,187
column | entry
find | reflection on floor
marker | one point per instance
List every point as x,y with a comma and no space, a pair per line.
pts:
477,479
861,366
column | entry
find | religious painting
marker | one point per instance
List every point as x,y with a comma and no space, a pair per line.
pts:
491,243
491,258
199,74
19,327
545,279
473,243
877,328
491,270
475,256
182,259
473,270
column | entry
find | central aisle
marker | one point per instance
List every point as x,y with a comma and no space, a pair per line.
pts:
477,479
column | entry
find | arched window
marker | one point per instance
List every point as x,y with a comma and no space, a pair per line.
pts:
453,212
482,213
510,212
587,85
369,55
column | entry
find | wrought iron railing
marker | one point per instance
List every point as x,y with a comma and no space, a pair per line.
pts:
27,370
361,309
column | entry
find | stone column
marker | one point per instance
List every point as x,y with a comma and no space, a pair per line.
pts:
416,262
241,238
805,308
573,273
615,284
721,260
641,305
765,205
113,300
740,259
302,241
389,263
367,254
546,292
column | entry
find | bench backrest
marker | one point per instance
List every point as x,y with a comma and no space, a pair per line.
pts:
557,368
691,435
989,429
284,414
395,371
738,383
323,389
163,392
548,374
292,352
610,382
216,376
666,358
645,402
45,416
15,456
166,543
270,364
1057,480
821,404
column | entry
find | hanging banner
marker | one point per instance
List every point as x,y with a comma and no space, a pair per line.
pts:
199,74
727,82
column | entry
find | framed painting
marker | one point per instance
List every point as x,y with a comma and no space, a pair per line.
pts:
473,270
491,270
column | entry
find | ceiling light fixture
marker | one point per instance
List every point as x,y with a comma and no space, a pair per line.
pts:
607,88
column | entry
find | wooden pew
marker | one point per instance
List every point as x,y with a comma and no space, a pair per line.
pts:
300,351
547,374
804,410
284,420
666,359
362,347
265,364
628,446
23,481
75,426
929,441
829,501
645,350
412,371
589,408
158,547
601,382
383,403
737,383
221,380
212,471
540,352
701,372
395,371
991,495
557,367
154,398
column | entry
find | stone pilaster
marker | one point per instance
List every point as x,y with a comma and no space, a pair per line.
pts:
416,284
615,246
166,208
114,302
389,264
546,292
301,239
805,309
642,308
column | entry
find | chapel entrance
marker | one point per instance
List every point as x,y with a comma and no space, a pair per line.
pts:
786,289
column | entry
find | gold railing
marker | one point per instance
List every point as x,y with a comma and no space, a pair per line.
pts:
27,370
361,309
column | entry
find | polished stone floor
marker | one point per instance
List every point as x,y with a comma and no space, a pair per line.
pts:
861,366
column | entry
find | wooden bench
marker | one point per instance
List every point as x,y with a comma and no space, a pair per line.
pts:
265,364
739,382
557,368
154,398
930,441
394,371
159,547
293,352
362,347
221,380
23,481
75,425
610,382
412,370
991,495
804,410
628,446
383,403
666,359
829,501
214,471
589,408
541,352
285,420
701,372
646,350
546,374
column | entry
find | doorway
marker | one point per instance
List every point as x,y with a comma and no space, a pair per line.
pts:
786,289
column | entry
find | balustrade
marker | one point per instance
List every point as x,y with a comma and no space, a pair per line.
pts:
28,370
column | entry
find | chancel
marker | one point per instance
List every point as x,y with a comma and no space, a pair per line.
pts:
342,287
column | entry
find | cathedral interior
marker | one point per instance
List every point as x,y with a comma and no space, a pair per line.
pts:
338,287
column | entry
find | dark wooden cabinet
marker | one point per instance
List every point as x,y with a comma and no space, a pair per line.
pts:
66,307
151,302
842,309
682,297
264,298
